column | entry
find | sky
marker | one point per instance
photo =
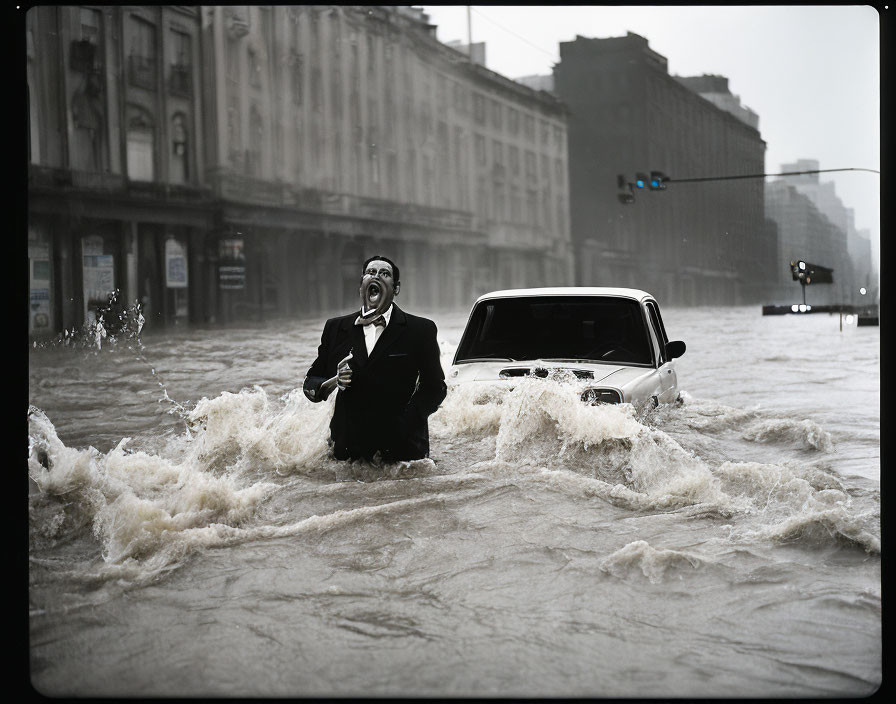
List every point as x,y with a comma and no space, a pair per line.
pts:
811,73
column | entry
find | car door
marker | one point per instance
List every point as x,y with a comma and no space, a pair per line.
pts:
666,367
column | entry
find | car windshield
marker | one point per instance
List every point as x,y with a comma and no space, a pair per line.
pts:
597,328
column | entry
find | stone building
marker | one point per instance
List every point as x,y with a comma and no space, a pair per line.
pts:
116,194
230,162
695,242
348,130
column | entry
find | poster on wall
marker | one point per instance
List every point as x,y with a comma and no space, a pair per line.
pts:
39,310
232,270
175,264
99,275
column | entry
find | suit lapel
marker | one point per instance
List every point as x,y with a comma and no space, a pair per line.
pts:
356,335
398,323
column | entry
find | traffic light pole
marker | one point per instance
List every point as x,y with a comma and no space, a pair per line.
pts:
785,173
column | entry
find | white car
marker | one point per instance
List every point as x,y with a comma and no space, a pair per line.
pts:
610,342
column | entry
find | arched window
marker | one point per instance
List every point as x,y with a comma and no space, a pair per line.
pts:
180,152
140,145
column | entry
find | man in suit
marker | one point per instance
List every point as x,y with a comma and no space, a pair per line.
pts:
385,364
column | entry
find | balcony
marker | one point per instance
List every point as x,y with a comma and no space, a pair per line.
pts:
180,80
142,71
83,56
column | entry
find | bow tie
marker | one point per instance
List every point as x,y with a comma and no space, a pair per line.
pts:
379,321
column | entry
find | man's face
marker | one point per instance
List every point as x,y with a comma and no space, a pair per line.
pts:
377,287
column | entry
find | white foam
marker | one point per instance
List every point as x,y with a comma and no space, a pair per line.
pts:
653,563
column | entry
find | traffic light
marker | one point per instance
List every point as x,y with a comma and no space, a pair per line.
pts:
658,181
798,271
640,180
623,185
807,273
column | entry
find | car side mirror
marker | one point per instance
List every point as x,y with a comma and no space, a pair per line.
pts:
675,349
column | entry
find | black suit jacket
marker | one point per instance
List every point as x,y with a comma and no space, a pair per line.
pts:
392,393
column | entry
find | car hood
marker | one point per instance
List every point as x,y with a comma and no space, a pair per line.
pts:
588,373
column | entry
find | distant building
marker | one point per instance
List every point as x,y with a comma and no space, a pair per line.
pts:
825,231
805,233
824,196
227,162
693,243
475,51
715,90
537,82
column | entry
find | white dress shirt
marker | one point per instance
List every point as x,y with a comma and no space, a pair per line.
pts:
372,332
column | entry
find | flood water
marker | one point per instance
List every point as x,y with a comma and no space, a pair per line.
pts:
189,535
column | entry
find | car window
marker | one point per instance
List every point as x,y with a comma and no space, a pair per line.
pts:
659,330
655,338
599,328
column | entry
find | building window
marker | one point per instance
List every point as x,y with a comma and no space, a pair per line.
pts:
316,90
411,157
513,154
142,56
256,140
441,92
460,97
515,203
513,120
529,127
479,108
532,208
481,156
140,146
297,70
530,166
373,157
499,203
180,153
86,50
254,67
180,73
371,57
497,114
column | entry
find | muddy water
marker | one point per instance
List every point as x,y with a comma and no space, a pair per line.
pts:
189,534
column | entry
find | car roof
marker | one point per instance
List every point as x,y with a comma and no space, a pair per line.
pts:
632,293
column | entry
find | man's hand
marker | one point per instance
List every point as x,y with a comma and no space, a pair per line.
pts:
344,373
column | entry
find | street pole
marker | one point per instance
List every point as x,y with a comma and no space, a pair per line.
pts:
469,35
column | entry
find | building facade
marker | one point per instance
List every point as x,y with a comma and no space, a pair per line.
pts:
706,242
852,248
231,162
116,193
351,129
807,234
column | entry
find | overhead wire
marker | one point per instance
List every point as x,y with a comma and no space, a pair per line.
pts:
518,36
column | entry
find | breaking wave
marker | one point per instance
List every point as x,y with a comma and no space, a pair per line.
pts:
613,453
652,563
206,488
